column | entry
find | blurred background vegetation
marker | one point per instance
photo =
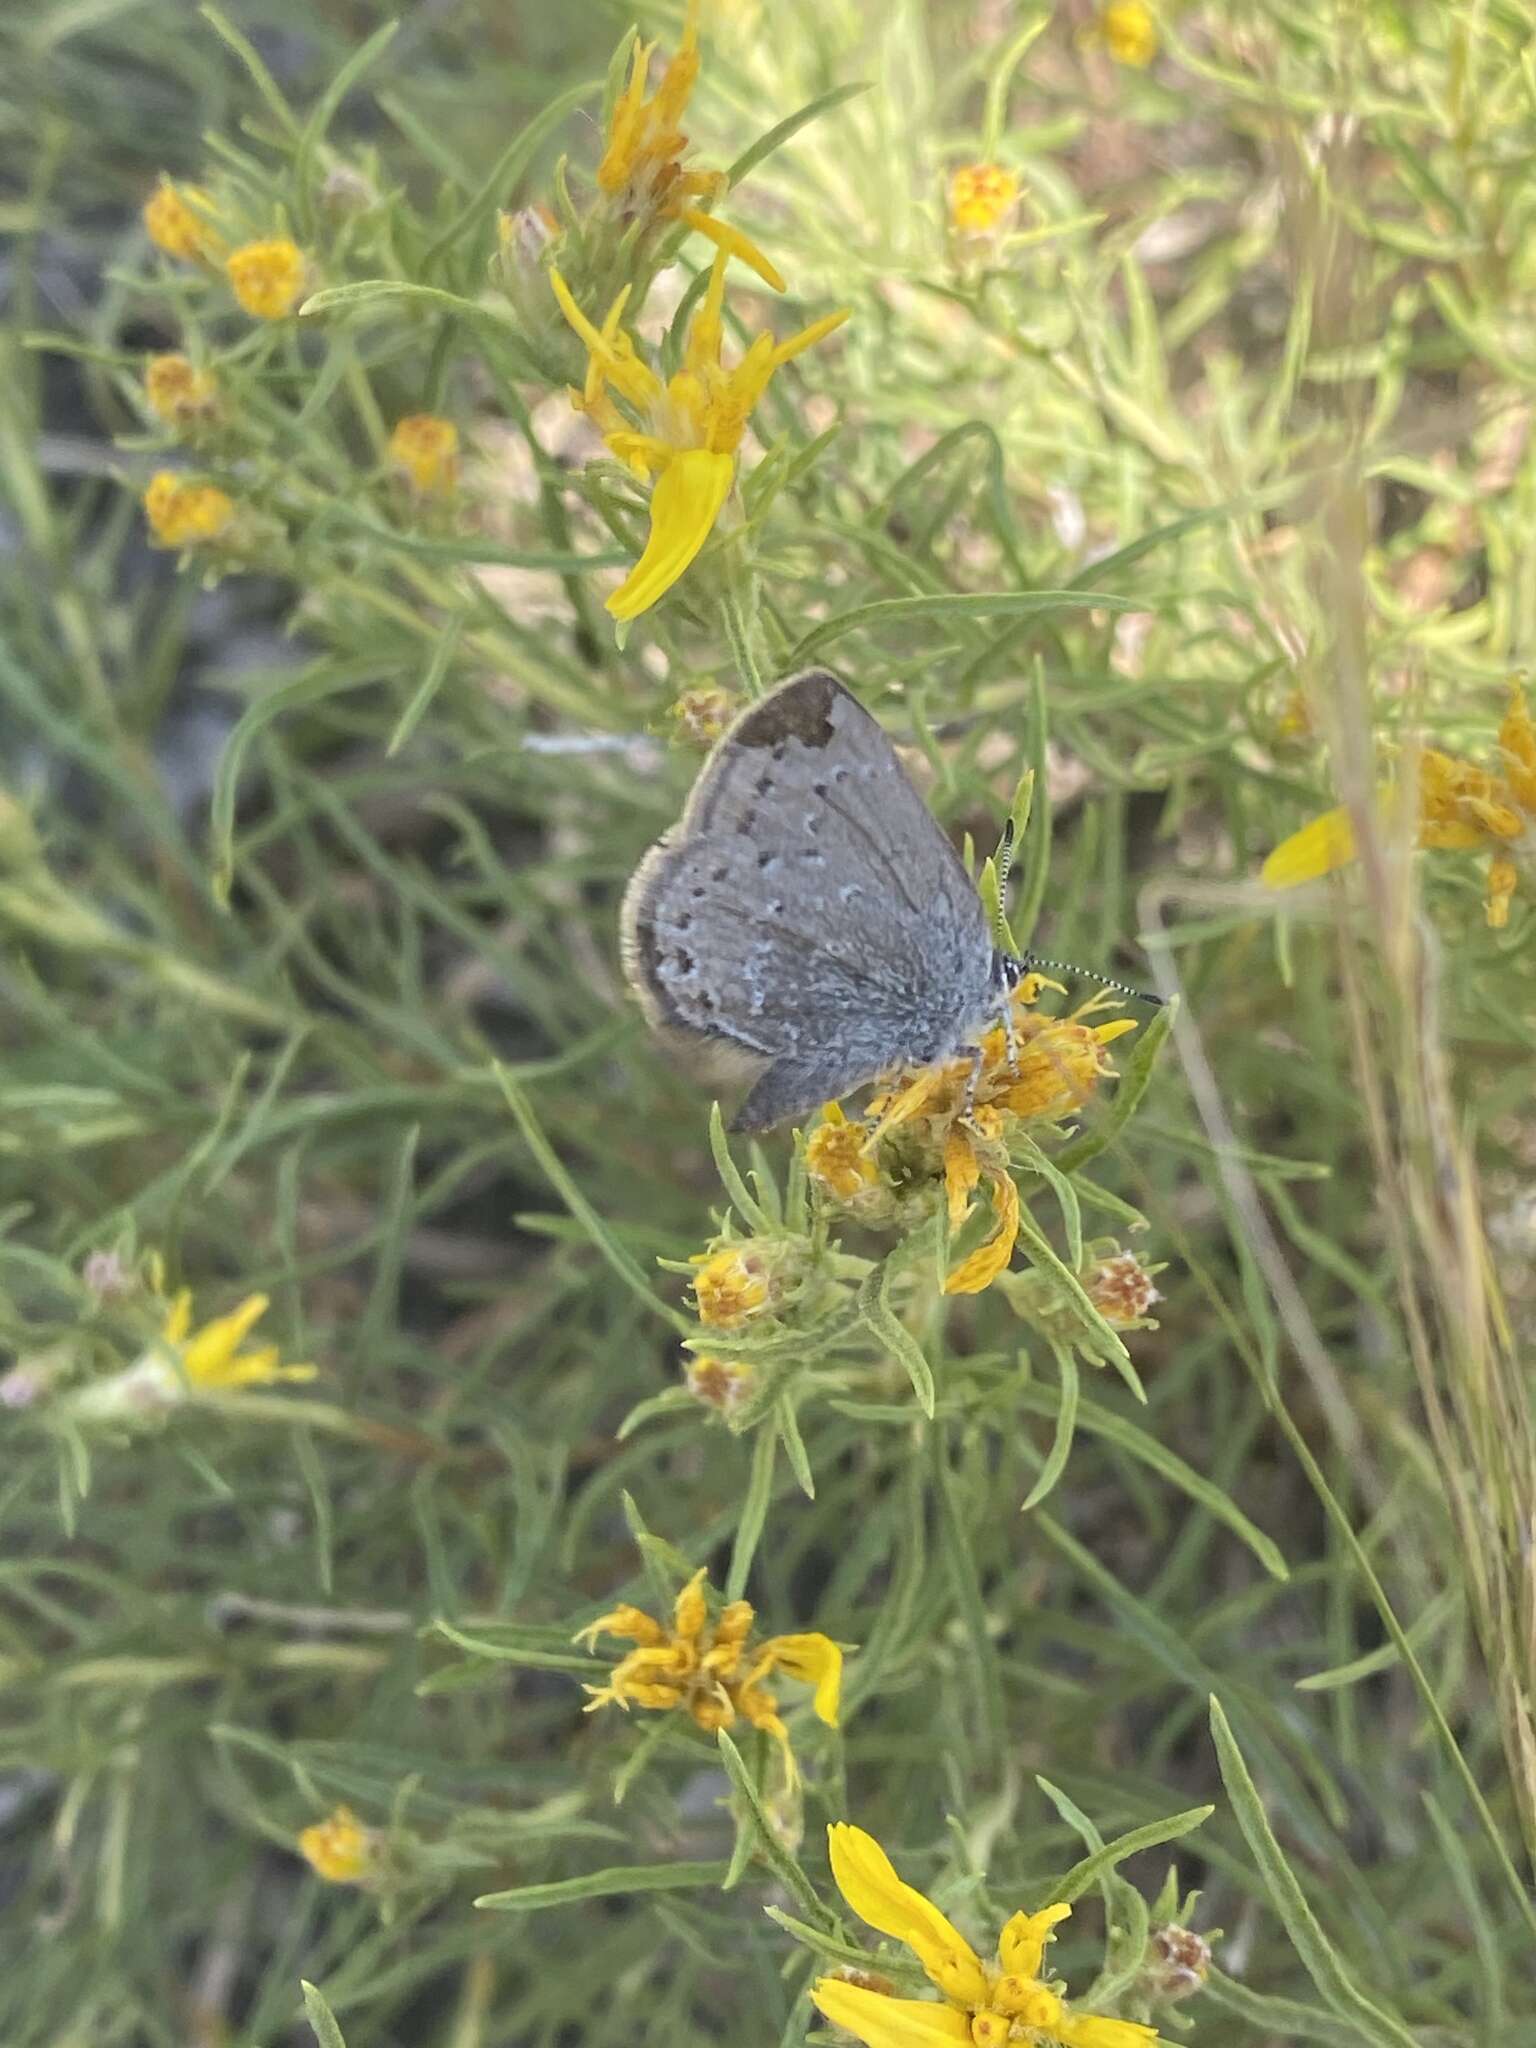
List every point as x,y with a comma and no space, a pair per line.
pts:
308,884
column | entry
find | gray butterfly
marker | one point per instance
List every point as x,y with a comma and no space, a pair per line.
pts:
807,924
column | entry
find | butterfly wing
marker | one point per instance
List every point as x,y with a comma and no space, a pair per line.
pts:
807,914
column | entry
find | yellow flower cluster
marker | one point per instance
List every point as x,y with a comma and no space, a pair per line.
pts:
683,431
426,449
982,2006
1127,30
268,277
178,392
183,513
179,222
979,197
211,1356
931,1126
340,1849
1459,806
641,169
713,1670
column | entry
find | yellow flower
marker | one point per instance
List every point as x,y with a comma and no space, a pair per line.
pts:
684,433
340,1848
427,449
1127,30
730,1287
183,514
983,2006
641,170
267,277
837,1156
979,196
711,1668
211,1356
1459,806
929,1126
177,222
177,390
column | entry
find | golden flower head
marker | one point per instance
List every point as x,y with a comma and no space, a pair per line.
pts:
979,196
1459,806
641,170
426,448
177,222
733,1285
709,1664
683,433
178,392
340,1849
211,1356
1127,30
983,2005
267,277
929,1130
720,1383
182,1362
837,1156
183,513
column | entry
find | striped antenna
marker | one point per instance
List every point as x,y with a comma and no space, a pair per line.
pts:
1032,961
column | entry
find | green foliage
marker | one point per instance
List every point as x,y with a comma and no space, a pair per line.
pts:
1191,498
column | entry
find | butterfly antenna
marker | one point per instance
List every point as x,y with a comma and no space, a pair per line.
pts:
1141,995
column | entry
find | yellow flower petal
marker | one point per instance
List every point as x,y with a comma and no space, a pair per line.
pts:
867,1879
684,507
815,1660
734,243
809,336
881,2022
962,1171
1021,1945
977,1272
1088,2030
1317,849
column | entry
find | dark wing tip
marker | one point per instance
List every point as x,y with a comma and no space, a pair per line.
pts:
800,709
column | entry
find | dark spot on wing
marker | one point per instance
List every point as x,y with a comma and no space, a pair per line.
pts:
800,710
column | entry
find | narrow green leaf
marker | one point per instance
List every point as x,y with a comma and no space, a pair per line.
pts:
325,110
770,1842
881,1319
1066,1424
321,2019
743,1201
754,1512
421,698
497,187
780,133
1318,1956
606,1884
599,1233
899,611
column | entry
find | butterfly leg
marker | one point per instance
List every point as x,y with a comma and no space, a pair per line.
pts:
972,1081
